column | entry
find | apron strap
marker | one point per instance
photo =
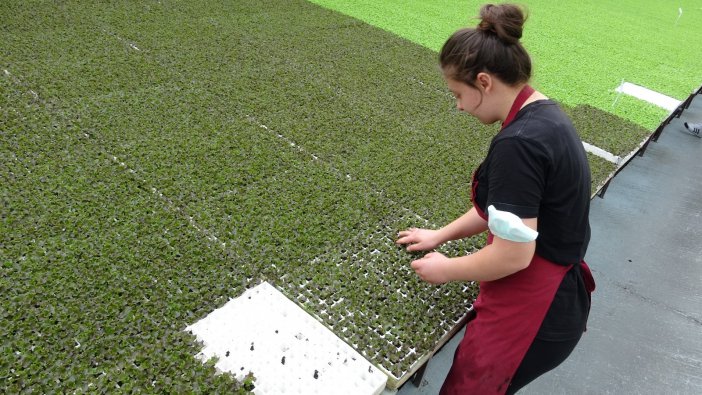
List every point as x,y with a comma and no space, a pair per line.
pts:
522,97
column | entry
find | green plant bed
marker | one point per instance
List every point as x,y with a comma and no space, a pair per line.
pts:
164,156
609,132
279,213
579,59
97,277
601,171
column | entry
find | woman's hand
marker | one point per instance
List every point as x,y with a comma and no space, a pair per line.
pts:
419,239
432,268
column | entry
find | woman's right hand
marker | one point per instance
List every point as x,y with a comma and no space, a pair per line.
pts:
419,239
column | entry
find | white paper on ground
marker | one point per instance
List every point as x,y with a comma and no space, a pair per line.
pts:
287,350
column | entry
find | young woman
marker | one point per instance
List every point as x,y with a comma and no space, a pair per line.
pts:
532,195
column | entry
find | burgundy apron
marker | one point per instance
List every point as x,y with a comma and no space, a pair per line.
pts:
509,313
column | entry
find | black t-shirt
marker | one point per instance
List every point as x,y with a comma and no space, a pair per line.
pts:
537,167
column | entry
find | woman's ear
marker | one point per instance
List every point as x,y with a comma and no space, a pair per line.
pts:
484,81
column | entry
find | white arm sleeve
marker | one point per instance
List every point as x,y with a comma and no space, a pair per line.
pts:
509,227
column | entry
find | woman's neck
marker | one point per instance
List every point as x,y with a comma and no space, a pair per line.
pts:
510,95
536,96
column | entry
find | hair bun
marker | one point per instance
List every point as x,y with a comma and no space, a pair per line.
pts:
504,20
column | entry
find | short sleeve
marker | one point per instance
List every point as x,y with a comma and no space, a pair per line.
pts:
517,176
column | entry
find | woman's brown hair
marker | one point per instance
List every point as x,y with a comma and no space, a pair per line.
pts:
493,46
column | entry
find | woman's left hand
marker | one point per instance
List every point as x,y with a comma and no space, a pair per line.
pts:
432,268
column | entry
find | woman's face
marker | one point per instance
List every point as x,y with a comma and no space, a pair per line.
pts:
471,100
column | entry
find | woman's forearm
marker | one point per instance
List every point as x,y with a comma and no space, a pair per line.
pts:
469,224
492,262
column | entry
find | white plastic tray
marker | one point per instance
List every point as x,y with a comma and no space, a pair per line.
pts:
286,349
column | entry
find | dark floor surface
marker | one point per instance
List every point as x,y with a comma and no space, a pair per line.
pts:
645,329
